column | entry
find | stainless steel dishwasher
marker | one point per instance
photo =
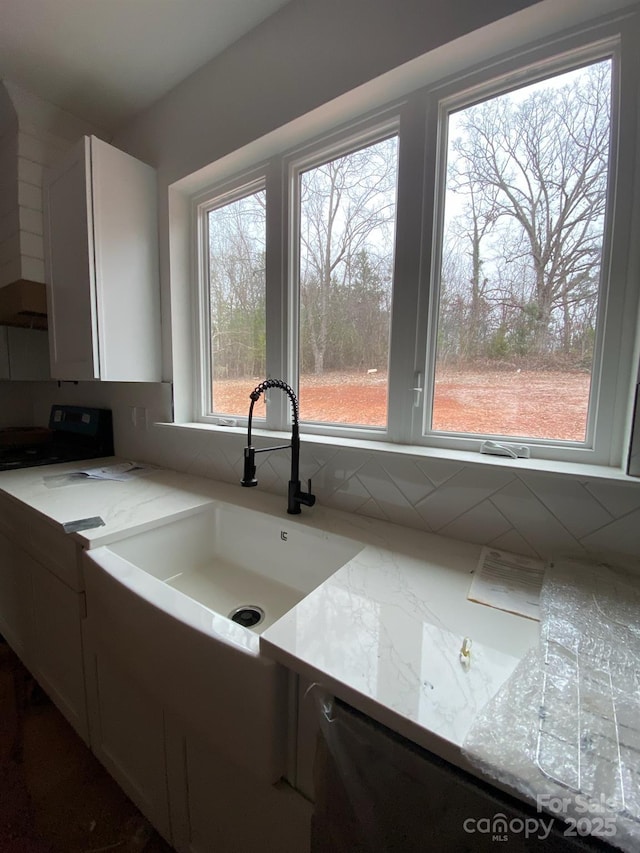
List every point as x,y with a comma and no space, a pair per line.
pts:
377,792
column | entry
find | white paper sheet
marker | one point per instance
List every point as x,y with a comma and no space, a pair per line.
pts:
508,582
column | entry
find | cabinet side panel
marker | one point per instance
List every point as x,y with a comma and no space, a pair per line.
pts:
126,257
70,275
4,353
28,354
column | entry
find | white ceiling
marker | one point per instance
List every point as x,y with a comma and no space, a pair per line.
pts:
105,60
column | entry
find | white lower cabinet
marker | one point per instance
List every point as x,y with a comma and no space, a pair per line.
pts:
40,617
127,734
16,600
93,656
217,807
197,799
57,644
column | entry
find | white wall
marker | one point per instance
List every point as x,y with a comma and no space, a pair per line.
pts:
310,52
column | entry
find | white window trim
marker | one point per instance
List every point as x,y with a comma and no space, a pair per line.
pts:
597,447
368,132
620,377
242,185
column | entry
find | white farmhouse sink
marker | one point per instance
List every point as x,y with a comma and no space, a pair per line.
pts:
228,557
158,604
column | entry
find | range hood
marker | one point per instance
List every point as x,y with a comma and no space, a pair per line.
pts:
24,303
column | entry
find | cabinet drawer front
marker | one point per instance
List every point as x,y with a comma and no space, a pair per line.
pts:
13,521
55,550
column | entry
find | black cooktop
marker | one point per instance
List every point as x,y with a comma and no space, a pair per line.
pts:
75,432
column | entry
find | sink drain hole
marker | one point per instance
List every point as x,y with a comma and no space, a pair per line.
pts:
247,615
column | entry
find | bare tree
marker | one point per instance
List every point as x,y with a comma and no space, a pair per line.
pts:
532,171
237,287
347,206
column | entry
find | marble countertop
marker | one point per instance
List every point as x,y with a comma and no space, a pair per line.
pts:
384,633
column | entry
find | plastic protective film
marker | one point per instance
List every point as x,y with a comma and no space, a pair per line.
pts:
564,729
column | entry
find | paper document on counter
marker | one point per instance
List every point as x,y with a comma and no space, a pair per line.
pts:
119,471
508,582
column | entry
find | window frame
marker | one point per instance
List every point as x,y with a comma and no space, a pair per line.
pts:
417,117
547,62
369,132
241,186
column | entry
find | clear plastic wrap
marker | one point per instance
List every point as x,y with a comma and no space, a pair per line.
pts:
564,730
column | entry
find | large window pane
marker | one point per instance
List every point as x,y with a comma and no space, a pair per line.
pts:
525,200
347,228
236,234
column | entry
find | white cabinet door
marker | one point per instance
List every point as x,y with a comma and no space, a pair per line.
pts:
217,806
126,265
102,266
127,732
40,614
71,296
57,644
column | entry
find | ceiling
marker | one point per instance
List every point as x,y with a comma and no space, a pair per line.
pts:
105,60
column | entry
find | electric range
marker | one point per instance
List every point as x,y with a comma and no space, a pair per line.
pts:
75,432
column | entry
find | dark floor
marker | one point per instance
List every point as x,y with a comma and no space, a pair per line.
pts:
55,797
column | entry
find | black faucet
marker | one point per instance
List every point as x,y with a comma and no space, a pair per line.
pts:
296,496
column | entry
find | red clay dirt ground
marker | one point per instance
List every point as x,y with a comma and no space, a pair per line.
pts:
534,404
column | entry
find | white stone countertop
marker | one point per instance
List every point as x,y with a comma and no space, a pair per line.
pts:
384,633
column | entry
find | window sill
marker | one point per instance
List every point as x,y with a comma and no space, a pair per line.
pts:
570,469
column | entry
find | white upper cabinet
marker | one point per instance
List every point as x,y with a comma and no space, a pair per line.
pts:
101,239
24,354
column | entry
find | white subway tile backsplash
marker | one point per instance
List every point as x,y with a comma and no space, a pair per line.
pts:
618,498
372,510
622,535
531,513
378,483
515,543
342,467
482,523
388,497
537,525
569,500
408,477
350,497
438,470
459,493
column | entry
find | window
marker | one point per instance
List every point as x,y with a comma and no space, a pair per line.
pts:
526,177
443,272
234,245
347,214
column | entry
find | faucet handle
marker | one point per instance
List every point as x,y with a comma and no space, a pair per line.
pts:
310,499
